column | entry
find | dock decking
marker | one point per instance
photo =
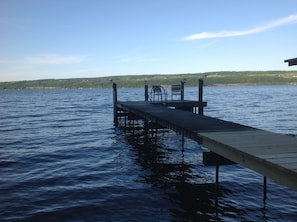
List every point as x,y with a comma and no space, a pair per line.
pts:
270,154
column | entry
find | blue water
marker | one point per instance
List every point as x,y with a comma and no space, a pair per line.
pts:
62,159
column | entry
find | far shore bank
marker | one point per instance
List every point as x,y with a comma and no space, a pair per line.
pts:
136,81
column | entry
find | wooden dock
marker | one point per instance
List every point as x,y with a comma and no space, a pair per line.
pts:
270,154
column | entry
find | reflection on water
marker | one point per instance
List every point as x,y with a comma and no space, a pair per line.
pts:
62,159
167,163
166,167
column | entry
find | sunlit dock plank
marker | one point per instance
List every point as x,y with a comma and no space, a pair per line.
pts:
270,154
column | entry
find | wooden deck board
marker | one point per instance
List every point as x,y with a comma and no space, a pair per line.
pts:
257,141
279,155
185,120
270,154
275,168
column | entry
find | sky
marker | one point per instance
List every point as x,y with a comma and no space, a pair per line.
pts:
58,39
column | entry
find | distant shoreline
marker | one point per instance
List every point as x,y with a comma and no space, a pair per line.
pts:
243,78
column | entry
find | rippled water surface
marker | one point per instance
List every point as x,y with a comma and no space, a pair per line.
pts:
62,159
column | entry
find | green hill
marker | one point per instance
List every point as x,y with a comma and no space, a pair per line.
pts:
135,81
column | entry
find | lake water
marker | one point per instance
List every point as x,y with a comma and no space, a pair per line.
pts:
62,159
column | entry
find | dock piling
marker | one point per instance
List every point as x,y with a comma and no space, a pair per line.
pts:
146,95
182,91
217,178
200,96
264,190
115,99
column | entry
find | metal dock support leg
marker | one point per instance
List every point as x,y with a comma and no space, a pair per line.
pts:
200,97
217,186
183,145
146,130
146,95
182,92
115,100
217,177
264,190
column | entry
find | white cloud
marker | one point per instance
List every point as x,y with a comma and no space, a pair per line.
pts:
53,59
222,34
207,45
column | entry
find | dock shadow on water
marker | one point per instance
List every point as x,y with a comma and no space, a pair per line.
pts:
166,165
62,159
173,164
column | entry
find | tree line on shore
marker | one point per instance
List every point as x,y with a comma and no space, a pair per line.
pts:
136,81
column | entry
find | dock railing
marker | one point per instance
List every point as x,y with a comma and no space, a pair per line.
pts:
158,94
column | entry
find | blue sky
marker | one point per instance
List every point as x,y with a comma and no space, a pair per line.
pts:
42,39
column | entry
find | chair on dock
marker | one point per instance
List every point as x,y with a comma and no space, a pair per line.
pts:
176,90
158,94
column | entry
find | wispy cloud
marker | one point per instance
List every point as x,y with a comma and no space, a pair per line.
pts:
53,59
207,45
231,33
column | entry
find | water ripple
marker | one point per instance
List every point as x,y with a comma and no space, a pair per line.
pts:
62,159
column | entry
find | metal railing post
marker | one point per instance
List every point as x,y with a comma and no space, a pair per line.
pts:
146,96
182,90
115,99
200,97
